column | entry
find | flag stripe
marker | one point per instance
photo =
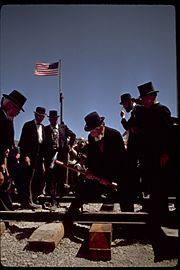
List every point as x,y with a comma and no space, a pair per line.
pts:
46,69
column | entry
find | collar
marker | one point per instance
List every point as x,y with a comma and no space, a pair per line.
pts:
37,123
5,113
56,126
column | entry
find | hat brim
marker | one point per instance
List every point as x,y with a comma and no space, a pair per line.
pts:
125,100
14,101
54,116
88,128
149,93
42,114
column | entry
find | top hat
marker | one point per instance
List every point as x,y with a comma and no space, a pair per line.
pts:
40,111
93,120
53,114
125,97
17,98
146,89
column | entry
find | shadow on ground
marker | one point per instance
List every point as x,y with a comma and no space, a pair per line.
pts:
164,247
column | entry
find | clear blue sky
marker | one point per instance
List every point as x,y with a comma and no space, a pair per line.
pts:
106,50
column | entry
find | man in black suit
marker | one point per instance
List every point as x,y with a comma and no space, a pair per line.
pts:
155,145
59,140
31,145
106,159
11,105
132,106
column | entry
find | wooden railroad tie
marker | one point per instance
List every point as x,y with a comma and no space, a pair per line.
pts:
46,236
2,227
100,238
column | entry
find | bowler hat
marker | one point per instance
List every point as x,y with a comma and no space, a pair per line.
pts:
146,89
92,120
40,111
53,114
17,98
125,97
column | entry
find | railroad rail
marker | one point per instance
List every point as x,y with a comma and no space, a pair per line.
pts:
70,198
84,217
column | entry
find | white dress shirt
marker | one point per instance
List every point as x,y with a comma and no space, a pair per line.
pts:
39,132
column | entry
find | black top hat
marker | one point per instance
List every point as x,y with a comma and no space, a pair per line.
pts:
92,120
40,111
53,114
17,98
125,97
146,89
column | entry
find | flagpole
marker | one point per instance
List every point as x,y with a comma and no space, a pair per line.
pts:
60,92
66,185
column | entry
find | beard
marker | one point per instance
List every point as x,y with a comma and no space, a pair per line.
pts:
98,138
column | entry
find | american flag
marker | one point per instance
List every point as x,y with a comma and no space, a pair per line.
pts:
46,69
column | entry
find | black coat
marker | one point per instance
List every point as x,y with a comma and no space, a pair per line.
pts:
132,125
111,164
6,142
6,135
155,131
28,142
64,133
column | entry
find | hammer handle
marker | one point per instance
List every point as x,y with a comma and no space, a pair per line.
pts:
100,180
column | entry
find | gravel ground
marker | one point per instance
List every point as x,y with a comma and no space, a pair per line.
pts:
125,252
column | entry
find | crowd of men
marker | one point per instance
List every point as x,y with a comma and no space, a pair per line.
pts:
146,165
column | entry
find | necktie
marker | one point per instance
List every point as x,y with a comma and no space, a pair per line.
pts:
55,138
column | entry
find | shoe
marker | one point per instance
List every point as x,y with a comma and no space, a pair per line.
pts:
31,206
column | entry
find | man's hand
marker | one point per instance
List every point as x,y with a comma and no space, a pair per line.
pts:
27,161
7,152
122,114
3,168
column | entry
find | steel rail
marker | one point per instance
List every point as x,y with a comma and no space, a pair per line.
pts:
85,217
70,198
